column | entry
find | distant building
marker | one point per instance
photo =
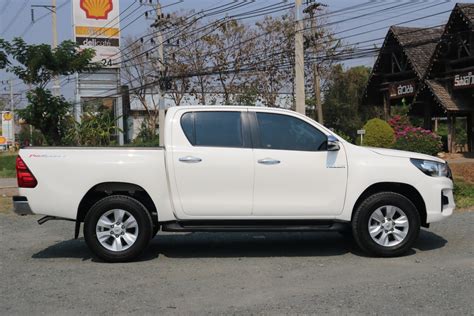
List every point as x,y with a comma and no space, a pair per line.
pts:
432,69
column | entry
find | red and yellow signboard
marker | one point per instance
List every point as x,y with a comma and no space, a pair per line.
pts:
97,9
97,26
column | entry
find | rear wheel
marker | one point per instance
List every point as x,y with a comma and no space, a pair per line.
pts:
117,228
386,224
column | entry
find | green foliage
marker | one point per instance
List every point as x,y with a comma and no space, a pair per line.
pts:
3,60
378,133
38,64
30,136
146,137
343,135
400,109
47,113
342,100
95,129
7,165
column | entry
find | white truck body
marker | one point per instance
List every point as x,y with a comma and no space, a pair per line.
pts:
228,183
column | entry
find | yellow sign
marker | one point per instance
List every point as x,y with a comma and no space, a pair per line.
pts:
7,116
3,140
97,31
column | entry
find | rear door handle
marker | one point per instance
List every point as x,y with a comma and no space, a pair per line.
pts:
269,161
190,159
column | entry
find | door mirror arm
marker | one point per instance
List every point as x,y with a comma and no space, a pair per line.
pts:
333,143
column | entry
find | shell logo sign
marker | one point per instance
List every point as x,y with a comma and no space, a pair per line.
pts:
3,140
97,9
97,26
7,116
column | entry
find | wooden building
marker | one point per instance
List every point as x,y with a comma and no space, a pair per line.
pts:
401,66
431,68
448,89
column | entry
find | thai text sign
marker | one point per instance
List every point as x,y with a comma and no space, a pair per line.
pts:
402,89
465,80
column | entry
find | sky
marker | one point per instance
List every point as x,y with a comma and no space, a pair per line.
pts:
367,30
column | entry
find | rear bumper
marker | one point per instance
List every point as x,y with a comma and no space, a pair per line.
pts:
21,206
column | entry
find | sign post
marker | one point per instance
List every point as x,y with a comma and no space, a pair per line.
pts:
361,132
97,26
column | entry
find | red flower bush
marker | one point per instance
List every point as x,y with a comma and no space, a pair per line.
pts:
417,139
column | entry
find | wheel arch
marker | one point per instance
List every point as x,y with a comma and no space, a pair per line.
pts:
404,189
104,189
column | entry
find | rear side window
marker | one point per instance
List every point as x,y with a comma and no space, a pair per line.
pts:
213,129
289,133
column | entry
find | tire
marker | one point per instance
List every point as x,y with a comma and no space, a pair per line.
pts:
125,241
392,237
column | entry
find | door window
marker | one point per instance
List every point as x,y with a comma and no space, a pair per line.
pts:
213,129
286,132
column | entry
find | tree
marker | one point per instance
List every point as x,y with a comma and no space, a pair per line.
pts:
271,78
227,63
37,65
141,76
342,100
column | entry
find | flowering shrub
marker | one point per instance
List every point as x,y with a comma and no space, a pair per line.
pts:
412,138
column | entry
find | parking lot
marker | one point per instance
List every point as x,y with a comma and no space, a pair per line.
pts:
43,270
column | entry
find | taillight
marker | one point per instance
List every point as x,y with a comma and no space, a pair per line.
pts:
24,176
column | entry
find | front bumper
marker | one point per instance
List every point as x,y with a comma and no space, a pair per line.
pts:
21,206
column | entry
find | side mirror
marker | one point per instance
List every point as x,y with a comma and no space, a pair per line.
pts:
333,143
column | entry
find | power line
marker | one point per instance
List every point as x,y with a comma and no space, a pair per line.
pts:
9,25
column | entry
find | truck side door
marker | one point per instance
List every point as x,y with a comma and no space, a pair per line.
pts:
212,164
294,173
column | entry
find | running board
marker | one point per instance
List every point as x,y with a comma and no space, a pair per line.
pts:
253,226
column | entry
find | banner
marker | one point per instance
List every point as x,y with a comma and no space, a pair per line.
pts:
97,25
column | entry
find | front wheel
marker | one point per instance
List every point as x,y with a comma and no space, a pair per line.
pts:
117,228
386,224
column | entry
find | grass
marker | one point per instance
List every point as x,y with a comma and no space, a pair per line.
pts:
7,165
463,194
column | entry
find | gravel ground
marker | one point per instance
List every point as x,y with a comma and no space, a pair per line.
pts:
44,271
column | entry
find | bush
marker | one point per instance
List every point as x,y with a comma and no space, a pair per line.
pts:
378,133
343,135
418,140
414,139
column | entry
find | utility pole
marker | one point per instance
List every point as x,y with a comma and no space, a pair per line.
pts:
12,109
160,65
299,60
311,9
56,87
52,9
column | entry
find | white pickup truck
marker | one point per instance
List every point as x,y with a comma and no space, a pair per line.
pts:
227,169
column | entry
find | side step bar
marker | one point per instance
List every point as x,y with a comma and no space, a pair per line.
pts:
253,226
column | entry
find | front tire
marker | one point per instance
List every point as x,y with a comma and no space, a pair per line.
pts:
117,228
386,224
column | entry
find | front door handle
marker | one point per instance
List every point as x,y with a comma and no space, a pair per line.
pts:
269,161
190,159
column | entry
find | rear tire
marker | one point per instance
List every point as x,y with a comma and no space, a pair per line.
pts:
386,224
118,228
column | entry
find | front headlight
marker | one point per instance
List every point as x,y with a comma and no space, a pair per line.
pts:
432,168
